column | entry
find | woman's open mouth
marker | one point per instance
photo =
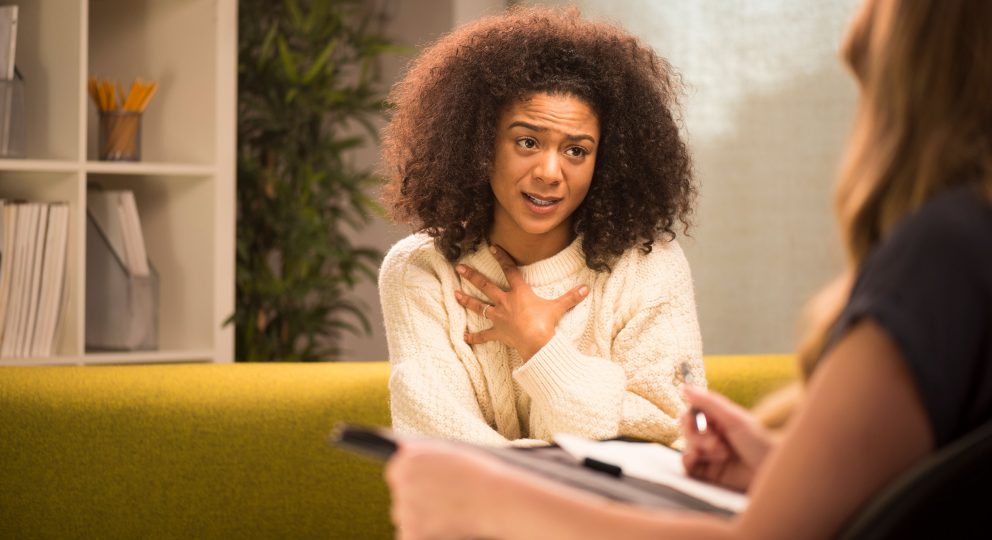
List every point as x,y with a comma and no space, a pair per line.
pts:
541,204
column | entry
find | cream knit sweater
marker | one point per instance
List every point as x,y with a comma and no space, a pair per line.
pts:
611,369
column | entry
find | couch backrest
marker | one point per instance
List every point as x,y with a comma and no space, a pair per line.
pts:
215,450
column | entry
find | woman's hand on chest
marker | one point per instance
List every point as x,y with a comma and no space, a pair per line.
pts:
520,318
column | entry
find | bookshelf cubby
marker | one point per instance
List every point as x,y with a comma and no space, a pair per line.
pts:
184,184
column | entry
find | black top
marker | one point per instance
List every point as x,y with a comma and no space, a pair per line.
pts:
929,286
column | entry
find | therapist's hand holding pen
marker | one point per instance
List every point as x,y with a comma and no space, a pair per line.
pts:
731,448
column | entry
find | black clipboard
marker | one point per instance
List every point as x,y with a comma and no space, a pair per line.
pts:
548,461
376,443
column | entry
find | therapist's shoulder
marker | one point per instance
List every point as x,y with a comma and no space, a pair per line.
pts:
955,224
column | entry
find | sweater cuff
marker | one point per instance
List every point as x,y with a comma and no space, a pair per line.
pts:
559,369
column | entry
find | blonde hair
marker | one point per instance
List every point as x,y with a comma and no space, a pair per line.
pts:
924,124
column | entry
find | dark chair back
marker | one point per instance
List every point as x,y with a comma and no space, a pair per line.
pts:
944,496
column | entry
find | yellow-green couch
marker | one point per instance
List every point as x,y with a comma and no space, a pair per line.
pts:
216,450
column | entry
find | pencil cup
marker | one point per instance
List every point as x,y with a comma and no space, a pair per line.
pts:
120,136
11,118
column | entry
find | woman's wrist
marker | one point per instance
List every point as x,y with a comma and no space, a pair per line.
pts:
534,344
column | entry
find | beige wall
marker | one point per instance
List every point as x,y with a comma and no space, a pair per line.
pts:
768,107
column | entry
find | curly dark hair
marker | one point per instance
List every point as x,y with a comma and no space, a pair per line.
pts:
439,145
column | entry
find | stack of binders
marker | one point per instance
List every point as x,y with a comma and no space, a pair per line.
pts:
33,258
121,285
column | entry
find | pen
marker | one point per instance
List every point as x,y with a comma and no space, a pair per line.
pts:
698,417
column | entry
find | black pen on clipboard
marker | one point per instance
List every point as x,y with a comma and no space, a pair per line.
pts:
698,417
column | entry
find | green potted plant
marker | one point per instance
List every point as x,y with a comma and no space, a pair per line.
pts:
306,98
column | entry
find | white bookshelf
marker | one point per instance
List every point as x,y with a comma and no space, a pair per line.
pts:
185,183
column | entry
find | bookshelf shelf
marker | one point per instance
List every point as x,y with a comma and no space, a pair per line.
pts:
150,357
171,169
38,165
105,358
184,186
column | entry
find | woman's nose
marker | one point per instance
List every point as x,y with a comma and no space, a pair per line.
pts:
549,169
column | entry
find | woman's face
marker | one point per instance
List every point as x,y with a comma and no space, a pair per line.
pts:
544,161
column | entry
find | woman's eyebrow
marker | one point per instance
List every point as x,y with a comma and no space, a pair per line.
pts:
541,129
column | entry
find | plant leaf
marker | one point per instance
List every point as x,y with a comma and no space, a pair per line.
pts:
320,62
288,63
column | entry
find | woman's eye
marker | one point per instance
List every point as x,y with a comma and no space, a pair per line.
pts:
527,143
576,151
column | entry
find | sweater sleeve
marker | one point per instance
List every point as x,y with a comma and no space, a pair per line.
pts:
431,390
636,392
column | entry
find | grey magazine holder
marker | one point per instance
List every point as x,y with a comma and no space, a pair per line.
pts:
121,308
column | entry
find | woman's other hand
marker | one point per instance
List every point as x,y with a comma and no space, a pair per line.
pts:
731,448
520,318
438,490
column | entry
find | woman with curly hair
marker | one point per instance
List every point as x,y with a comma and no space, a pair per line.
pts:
539,159
891,436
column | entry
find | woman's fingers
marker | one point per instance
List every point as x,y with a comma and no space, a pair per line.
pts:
709,445
717,408
689,461
482,308
480,281
509,266
714,448
474,304
478,338
689,428
572,298
741,437
699,467
722,471
703,450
